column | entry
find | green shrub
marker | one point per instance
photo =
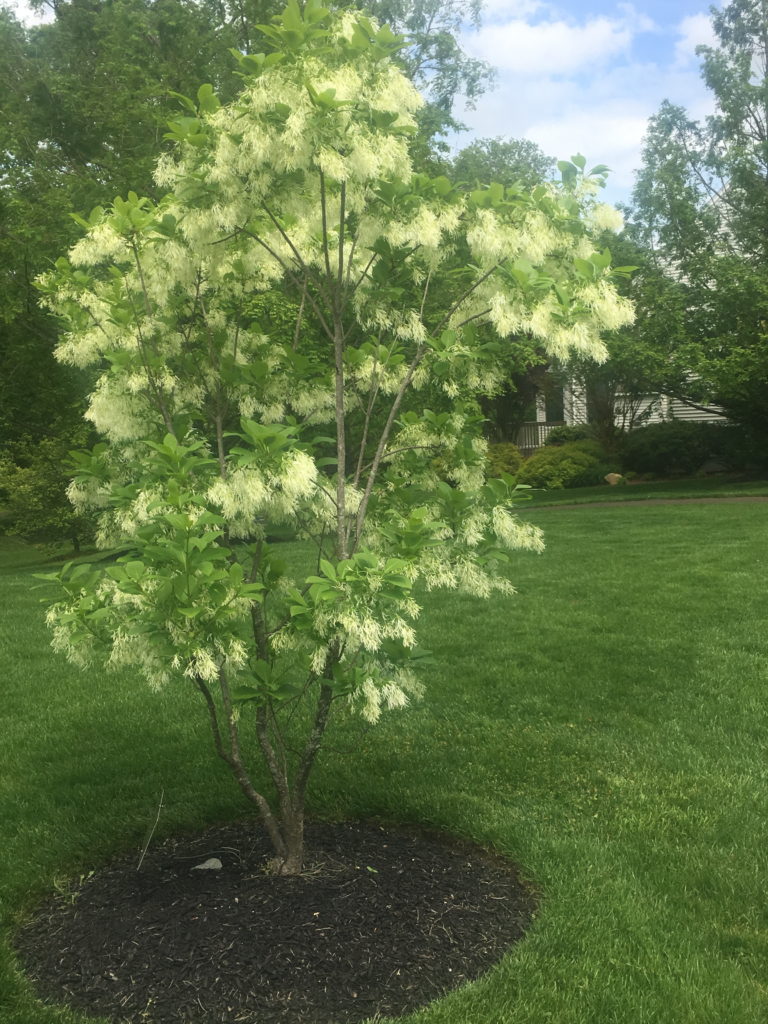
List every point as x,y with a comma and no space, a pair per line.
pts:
680,448
504,458
563,435
577,464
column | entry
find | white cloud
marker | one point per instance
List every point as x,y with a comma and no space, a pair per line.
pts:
554,46
505,9
604,134
693,31
582,85
550,47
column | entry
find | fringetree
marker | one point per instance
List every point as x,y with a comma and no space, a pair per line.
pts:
219,440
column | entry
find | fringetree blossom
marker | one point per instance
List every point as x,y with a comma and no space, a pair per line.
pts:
221,440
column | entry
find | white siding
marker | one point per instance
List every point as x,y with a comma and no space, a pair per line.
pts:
682,411
574,405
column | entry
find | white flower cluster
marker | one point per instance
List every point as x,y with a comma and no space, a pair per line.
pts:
514,533
363,628
445,569
249,495
375,694
603,217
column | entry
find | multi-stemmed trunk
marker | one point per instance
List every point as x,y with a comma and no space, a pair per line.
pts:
285,822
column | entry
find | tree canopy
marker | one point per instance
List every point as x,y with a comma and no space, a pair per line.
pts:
503,160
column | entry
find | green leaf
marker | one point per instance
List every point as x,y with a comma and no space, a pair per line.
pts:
262,670
208,100
568,171
585,269
601,259
328,568
243,694
184,100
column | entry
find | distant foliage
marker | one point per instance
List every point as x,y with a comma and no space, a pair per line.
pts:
701,210
34,479
504,160
577,464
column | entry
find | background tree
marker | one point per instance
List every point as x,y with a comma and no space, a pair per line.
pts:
701,208
85,101
504,160
217,435
34,477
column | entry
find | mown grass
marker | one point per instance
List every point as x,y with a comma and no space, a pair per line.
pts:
606,728
694,487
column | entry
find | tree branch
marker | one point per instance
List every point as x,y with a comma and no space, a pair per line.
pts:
293,278
232,759
420,353
313,743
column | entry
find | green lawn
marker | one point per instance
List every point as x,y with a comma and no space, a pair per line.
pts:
703,487
607,728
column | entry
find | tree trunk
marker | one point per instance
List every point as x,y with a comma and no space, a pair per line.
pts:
293,836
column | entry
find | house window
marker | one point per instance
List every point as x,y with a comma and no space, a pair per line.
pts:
554,405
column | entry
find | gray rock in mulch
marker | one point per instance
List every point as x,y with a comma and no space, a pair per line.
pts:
212,864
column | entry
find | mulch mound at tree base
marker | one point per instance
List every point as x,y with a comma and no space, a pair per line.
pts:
383,923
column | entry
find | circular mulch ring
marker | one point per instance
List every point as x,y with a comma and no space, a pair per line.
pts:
385,922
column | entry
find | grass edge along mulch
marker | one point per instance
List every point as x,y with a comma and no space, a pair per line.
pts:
173,944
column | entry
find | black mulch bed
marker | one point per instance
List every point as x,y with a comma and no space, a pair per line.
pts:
383,923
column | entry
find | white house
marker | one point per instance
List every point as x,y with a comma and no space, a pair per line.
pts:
571,410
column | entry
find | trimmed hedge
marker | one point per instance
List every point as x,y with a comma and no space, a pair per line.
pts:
565,434
577,464
681,448
504,458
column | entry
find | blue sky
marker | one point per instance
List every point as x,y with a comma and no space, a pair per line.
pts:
585,75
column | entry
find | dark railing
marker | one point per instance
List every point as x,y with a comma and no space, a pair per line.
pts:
533,435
